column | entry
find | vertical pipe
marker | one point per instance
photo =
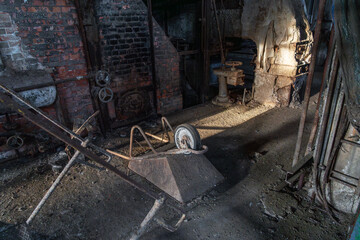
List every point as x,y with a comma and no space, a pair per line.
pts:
219,32
90,67
205,48
309,80
331,118
325,117
324,76
334,125
83,34
152,53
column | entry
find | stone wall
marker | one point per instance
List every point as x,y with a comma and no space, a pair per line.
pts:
275,27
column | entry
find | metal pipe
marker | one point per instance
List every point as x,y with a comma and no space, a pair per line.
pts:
118,154
341,131
83,34
52,188
355,144
328,91
132,138
309,81
219,32
163,122
324,76
205,20
322,130
152,53
334,124
156,137
334,101
333,142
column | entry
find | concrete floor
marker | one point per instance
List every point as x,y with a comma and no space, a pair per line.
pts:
250,146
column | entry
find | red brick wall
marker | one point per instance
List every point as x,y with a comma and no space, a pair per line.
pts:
49,33
167,71
125,45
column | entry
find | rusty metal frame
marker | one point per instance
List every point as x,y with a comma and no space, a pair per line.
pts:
54,128
165,124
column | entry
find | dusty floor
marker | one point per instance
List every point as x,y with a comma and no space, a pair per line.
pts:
92,203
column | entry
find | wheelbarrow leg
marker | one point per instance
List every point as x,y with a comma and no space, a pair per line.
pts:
155,208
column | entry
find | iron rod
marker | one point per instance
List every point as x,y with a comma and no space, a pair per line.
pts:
132,138
324,76
219,32
152,54
334,125
322,130
350,142
309,81
330,119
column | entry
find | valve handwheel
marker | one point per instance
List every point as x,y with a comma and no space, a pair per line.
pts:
102,78
106,95
15,142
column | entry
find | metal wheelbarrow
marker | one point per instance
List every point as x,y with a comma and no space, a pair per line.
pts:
182,174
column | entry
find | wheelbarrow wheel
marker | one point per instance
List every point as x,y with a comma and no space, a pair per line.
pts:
186,136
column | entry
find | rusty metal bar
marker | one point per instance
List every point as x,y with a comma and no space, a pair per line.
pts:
345,175
309,80
340,133
334,125
343,182
156,137
83,34
324,76
355,144
323,125
49,127
118,154
205,5
152,53
132,138
219,32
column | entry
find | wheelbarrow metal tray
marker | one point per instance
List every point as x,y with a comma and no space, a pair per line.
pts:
182,176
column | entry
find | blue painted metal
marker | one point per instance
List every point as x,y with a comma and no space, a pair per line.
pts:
355,235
